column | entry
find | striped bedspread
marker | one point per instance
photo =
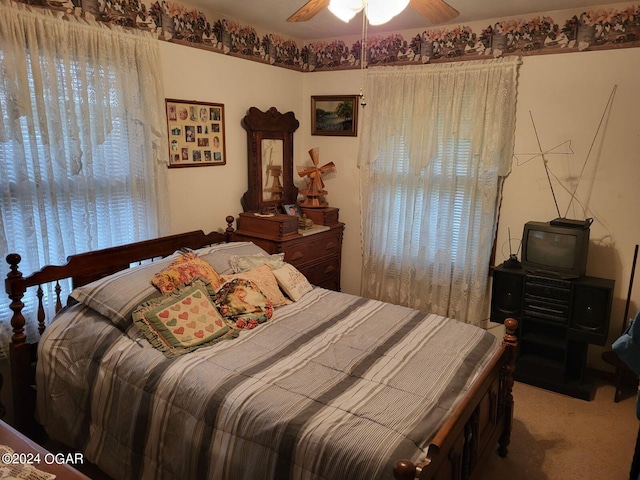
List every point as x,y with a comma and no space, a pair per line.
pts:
333,387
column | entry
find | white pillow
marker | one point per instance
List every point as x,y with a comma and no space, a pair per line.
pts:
292,282
118,295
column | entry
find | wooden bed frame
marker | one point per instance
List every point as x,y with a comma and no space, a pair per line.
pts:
480,424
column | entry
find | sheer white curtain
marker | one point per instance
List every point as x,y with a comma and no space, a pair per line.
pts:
435,144
83,149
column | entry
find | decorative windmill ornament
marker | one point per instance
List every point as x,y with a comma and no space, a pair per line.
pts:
275,191
314,193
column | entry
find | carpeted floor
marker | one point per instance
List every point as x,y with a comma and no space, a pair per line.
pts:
559,437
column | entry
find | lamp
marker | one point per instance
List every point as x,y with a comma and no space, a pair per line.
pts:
377,11
345,10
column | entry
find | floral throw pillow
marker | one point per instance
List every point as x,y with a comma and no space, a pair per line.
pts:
184,269
242,302
183,320
263,277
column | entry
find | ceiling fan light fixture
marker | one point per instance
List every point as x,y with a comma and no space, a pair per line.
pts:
381,11
345,10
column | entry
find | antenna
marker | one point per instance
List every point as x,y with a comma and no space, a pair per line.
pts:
544,162
512,262
557,151
563,148
607,106
509,232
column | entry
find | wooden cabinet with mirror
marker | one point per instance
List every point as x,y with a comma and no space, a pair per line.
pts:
316,253
270,149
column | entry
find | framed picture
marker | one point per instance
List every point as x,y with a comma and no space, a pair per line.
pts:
291,209
335,115
196,133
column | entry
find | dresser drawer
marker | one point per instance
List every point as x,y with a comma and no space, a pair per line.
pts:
316,255
331,283
325,273
312,248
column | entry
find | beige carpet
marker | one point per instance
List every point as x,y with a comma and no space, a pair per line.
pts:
559,437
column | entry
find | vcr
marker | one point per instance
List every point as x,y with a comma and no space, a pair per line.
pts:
547,299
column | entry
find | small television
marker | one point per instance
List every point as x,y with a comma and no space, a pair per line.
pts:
557,249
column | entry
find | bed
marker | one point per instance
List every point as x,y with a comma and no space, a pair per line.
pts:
329,385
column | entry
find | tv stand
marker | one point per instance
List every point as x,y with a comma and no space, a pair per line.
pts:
557,319
549,274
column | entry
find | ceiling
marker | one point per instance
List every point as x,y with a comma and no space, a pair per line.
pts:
271,15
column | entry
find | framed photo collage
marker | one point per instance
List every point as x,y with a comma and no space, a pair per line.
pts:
196,133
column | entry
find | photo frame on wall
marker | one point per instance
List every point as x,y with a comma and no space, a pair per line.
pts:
196,133
334,115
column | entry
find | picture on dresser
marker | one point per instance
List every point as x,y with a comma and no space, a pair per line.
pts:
193,126
291,209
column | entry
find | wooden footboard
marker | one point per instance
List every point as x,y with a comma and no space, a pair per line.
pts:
479,425
81,269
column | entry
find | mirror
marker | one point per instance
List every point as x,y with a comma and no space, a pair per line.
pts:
270,156
272,163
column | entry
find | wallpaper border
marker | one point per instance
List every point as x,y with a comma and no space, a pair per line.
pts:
596,29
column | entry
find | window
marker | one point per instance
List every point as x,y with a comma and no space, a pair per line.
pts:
446,190
82,139
436,144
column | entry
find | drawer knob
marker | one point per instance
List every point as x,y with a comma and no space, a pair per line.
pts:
297,255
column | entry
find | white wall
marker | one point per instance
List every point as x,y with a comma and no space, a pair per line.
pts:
343,187
567,96
201,197
565,93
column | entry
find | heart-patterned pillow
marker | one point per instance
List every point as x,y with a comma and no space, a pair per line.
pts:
183,320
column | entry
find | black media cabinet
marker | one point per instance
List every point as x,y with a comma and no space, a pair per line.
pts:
558,319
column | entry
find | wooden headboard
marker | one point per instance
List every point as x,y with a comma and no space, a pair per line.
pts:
82,268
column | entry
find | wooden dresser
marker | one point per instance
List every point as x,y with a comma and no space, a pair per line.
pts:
316,253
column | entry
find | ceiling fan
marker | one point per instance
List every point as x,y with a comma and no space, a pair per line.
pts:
436,11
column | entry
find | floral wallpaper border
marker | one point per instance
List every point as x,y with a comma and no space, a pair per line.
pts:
594,29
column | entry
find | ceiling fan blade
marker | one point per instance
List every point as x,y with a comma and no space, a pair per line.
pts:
308,10
436,11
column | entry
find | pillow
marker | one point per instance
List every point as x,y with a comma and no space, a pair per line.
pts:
294,283
117,296
264,279
183,320
182,270
243,302
244,263
218,256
